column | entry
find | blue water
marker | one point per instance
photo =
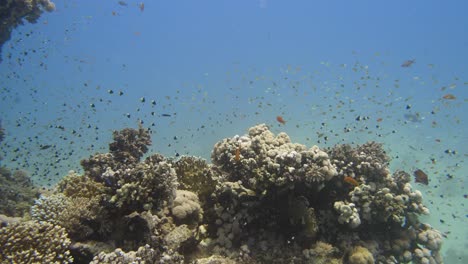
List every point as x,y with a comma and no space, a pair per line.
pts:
220,67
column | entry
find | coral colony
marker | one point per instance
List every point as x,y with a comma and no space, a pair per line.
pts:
262,200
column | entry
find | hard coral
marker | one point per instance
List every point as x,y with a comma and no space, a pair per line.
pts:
34,242
196,175
144,254
133,185
130,144
17,192
147,186
267,161
359,255
186,207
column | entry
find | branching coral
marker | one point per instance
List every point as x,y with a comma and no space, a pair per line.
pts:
147,186
196,175
267,161
130,144
34,242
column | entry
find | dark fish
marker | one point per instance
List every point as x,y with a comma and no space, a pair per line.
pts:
42,147
166,115
421,177
122,3
408,63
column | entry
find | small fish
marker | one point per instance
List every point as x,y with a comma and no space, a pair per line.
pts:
351,181
237,156
142,6
421,177
449,97
123,3
280,120
166,115
43,147
408,63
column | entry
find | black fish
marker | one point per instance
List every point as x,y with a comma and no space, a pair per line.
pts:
42,147
166,115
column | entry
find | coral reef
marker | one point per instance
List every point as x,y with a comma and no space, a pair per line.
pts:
263,200
131,184
17,192
196,175
266,161
359,255
14,12
34,242
186,207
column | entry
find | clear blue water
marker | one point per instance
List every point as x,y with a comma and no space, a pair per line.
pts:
220,67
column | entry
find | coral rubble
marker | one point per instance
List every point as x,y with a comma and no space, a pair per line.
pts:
263,199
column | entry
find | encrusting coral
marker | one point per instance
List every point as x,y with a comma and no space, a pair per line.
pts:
263,200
